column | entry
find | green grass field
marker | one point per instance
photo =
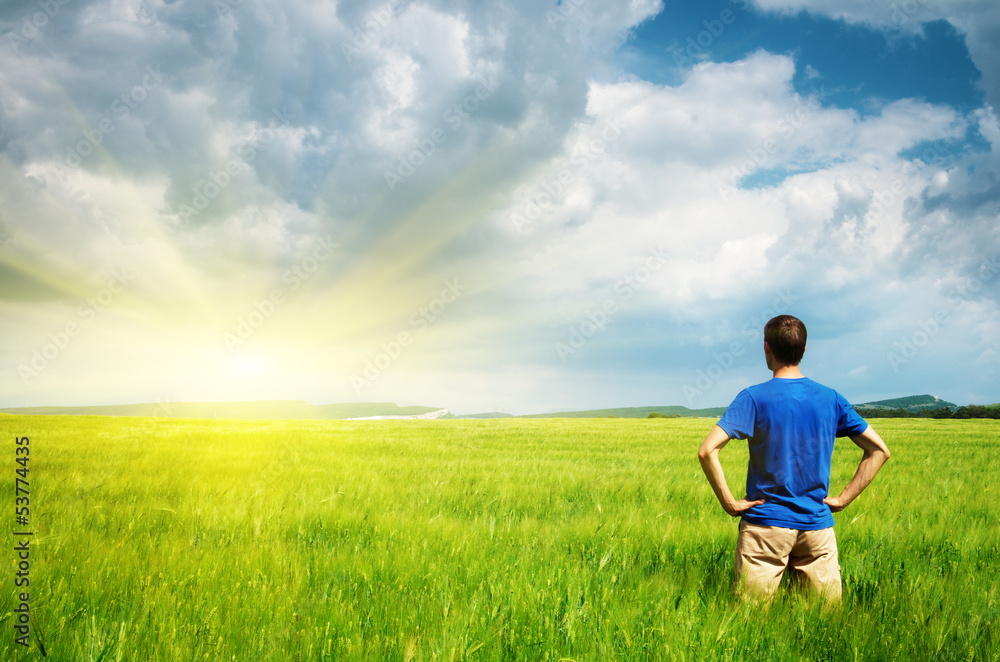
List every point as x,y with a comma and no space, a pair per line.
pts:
173,539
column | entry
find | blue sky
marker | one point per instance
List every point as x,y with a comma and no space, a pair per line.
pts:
855,64
513,206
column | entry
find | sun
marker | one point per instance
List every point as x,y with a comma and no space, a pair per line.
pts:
248,366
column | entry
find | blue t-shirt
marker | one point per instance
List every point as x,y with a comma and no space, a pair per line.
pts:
791,425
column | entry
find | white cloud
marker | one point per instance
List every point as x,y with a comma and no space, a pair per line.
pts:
667,181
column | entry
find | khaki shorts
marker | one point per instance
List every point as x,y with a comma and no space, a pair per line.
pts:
763,553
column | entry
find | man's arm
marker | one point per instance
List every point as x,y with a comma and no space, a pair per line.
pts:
708,455
875,455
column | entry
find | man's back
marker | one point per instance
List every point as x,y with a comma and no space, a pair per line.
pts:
791,422
791,425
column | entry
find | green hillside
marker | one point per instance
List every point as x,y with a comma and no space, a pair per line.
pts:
271,409
633,412
912,403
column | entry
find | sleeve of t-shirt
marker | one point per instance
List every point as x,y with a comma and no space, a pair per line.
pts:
850,423
740,416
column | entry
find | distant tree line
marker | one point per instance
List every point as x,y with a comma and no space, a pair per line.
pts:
969,411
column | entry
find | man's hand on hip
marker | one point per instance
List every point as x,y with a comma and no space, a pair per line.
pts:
737,508
835,503
875,455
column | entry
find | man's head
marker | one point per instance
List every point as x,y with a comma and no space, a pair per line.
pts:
786,337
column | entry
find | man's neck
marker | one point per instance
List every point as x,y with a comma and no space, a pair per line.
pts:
788,372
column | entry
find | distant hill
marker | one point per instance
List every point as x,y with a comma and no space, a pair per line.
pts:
912,403
299,409
633,412
295,409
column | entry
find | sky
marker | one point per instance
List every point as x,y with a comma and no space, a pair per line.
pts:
513,206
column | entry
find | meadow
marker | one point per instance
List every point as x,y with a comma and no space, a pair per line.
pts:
510,539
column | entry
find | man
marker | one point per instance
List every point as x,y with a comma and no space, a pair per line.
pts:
791,422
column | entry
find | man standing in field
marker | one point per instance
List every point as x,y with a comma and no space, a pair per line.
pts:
791,423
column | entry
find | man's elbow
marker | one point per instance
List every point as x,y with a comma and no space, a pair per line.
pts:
879,455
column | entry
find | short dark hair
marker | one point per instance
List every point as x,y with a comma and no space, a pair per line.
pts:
786,336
